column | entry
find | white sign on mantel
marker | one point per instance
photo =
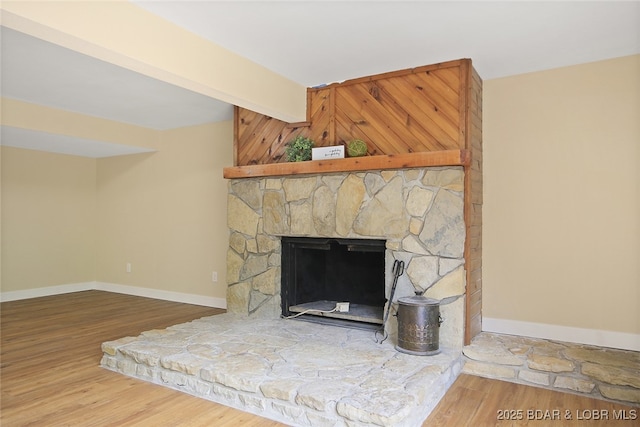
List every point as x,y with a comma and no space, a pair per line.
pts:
322,153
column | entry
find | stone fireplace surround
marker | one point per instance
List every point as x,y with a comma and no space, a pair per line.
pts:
418,211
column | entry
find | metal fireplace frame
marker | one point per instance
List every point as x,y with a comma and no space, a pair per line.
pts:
366,305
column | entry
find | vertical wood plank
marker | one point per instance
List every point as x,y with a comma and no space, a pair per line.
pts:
473,204
332,115
236,137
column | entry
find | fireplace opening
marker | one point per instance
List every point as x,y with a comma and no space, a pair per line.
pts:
318,273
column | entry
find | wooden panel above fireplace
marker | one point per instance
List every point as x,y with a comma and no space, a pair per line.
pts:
415,110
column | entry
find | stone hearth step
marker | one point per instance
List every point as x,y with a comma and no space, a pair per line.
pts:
598,372
298,373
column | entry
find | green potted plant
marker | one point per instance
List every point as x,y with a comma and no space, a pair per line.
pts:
299,149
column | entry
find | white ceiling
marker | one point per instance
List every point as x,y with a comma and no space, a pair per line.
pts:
316,42
321,42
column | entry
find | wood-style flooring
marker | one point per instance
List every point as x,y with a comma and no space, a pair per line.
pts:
50,375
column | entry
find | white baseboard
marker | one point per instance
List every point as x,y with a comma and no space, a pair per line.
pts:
163,295
46,291
611,339
112,287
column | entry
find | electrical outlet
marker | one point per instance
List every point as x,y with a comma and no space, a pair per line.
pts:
128,267
342,307
214,276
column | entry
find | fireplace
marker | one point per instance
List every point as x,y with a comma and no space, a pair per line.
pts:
416,214
318,273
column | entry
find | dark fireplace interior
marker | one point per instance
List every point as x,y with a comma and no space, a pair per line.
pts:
318,273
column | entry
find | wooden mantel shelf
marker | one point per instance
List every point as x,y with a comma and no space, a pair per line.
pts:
351,164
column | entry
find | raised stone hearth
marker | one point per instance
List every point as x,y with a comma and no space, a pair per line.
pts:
299,373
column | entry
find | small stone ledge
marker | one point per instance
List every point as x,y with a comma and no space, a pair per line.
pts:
601,373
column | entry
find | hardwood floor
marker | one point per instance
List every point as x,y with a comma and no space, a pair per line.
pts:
474,401
50,374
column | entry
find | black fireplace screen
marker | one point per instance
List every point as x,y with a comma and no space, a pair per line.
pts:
319,272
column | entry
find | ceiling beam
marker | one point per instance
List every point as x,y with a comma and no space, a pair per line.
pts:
39,118
126,35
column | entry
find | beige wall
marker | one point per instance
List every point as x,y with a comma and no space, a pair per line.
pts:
48,219
165,213
69,219
562,197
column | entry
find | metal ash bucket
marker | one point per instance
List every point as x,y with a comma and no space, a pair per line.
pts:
419,325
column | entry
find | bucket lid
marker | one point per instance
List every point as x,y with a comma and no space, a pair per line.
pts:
418,300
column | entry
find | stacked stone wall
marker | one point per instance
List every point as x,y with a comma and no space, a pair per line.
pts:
418,211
